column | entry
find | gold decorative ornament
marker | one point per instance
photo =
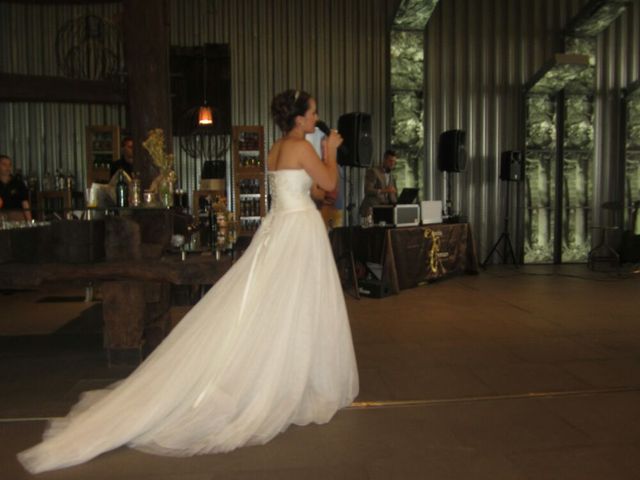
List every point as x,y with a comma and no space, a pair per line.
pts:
165,181
434,263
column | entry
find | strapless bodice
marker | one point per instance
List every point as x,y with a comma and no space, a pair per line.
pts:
290,190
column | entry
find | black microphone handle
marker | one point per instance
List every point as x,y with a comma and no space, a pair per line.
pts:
323,127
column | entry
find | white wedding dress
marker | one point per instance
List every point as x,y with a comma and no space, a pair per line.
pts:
268,346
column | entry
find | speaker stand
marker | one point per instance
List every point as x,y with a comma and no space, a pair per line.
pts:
347,188
504,238
346,261
346,265
448,204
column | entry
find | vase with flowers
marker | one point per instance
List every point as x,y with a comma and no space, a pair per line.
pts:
164,183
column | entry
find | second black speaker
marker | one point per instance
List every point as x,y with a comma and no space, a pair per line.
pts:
511,166
357,148
452,155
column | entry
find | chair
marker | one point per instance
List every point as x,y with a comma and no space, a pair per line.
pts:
630,250
604,252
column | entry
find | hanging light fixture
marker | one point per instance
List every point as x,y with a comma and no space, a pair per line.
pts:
205,115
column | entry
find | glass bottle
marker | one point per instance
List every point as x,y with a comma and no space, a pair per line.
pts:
213,224
122,192
136,192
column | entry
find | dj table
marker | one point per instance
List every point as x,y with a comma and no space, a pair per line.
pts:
408,256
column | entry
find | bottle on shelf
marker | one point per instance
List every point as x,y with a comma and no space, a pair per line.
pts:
47,183
136,192
122,192
32,182
61,181
213,225
69,182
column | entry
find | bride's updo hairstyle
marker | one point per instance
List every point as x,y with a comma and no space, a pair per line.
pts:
286,106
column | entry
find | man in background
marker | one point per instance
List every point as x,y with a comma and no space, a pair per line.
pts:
380,185
126,158
14,195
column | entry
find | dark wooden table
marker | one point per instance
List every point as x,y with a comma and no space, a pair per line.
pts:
136,294
409,256
196,269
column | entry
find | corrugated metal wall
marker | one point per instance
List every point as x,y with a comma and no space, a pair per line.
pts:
478,55
335,49
46,136
618,65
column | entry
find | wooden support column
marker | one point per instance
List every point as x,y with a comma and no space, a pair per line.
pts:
136,318
124,312
146,47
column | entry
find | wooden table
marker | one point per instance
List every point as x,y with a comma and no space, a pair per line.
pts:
136,294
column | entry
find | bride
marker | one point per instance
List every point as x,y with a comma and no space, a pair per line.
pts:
268,346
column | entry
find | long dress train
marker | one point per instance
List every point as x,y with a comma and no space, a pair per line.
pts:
268,346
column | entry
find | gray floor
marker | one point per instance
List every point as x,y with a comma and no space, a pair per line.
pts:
511,374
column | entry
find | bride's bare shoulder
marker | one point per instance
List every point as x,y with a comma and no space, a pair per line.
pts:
286,152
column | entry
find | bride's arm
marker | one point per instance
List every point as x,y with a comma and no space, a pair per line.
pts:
317,194
324,174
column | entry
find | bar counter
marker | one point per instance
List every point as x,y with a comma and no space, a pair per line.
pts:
128,256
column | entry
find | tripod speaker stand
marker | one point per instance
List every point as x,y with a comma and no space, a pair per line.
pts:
511,170
504,239
346,260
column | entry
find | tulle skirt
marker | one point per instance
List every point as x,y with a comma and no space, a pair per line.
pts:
268,346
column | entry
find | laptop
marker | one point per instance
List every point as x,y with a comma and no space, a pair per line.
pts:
407,196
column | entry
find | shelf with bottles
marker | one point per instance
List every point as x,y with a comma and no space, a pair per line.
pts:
250,161
249,177
248,148
249,208
249,140
249,187
248,225
103,148
250,203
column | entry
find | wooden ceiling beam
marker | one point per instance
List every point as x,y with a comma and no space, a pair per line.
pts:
60,2
32,88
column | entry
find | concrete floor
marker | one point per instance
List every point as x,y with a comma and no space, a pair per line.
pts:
511,374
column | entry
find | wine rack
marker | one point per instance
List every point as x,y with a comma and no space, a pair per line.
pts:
103,148
249,178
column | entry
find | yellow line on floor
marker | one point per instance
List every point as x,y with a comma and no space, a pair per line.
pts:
372,404
488,398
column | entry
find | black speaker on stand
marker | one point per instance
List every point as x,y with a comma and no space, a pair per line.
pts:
511,166
357,148
511,170
356,151
452,158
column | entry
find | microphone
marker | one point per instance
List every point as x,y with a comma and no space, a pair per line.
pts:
323,127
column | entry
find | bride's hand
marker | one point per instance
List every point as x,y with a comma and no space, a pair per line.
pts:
334,140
